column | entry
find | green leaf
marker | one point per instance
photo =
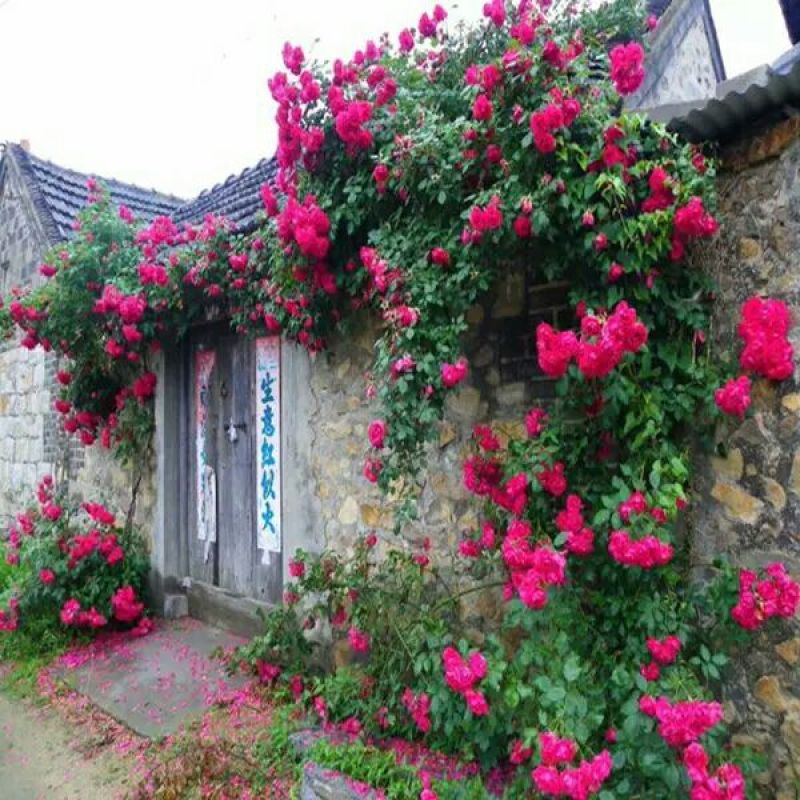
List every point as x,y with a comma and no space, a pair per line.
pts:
572,669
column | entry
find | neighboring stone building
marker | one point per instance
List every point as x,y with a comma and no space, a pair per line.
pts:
38,204
684,62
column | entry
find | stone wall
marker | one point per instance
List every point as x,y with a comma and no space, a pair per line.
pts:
319,783
504,383
25,404
125,490
22,239
749,495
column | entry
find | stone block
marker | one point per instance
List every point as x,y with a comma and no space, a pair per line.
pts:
464,404
342,369
24,379
789,651
447,434
794,477
510,296
21,451
483,357
39,374
749,248
769,691
176,606
30,477
512,394
791,402
739,505
340,429
731,467
320,783
348,512
775,494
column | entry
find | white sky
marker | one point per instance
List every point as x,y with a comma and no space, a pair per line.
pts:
172,93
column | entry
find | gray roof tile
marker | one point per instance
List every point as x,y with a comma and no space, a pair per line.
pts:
60,193
238,198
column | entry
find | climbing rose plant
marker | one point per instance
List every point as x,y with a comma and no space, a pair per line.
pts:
411,177
426,168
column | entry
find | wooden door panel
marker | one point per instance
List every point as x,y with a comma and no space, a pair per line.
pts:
237,468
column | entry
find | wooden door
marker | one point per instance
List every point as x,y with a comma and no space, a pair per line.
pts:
234,496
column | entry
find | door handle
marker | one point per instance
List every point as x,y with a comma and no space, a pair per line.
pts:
232,428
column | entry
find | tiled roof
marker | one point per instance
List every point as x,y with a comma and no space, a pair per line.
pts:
237,199
59,194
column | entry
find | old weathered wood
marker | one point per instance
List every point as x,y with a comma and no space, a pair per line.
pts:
237,470
234,565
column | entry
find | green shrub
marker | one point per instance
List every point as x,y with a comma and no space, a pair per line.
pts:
69,568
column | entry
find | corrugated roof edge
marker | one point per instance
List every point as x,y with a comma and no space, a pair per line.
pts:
765,92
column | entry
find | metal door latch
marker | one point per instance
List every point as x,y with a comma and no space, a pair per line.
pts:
231,429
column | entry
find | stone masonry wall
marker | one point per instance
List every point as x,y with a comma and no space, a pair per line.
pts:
22,239
25,404
690,73
503,385
748,499
749,495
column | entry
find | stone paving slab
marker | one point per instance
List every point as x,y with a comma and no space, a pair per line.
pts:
321,783
159,682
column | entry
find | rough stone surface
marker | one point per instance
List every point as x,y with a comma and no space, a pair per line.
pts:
176,606
27,448
748,503
731,467
320,783
504,383
789,651
23,417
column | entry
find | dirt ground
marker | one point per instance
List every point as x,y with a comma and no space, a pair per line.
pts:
41,757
